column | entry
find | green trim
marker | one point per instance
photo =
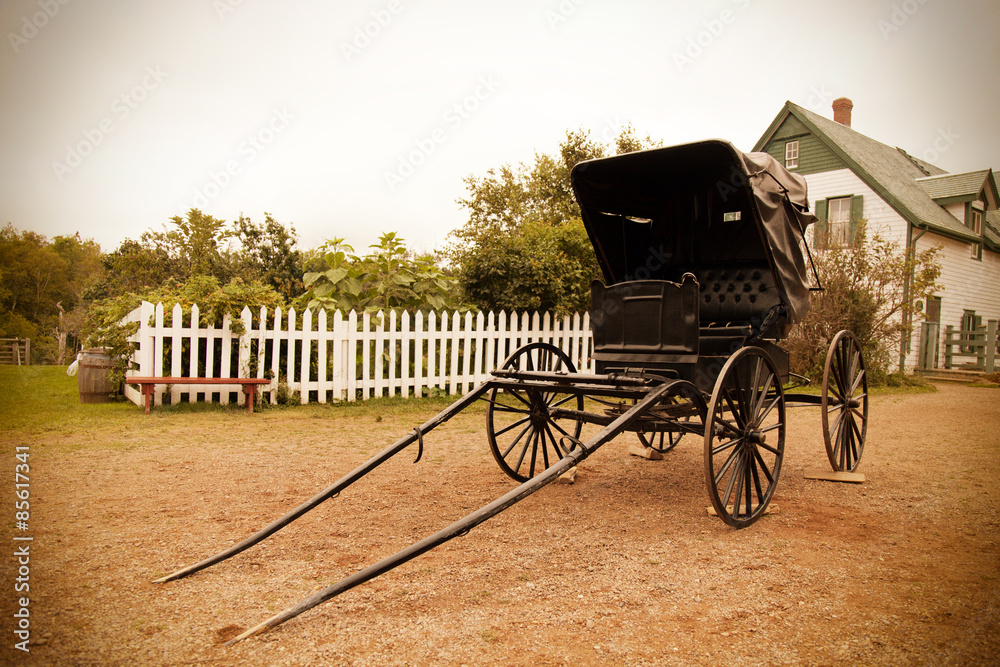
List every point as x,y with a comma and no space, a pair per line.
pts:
898,206
957,199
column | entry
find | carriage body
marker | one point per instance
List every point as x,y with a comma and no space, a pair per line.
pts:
702,250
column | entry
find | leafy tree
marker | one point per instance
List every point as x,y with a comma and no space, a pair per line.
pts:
267,254
524,245
864,291
131,267
387,278
541,267
196,240
34,279
83,261
200,245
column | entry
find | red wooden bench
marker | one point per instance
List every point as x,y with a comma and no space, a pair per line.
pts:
148,386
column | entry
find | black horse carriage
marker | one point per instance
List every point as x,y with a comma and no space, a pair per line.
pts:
703,253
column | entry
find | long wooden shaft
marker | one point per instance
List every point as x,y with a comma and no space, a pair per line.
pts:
464,525
337,487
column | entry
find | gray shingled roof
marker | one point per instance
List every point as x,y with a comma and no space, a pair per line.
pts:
889,171
955,185
992,230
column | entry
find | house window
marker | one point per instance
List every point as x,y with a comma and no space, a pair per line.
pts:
792,154
976,221
838,226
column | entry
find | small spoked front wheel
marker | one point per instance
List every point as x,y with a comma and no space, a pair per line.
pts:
744,437
845,403
672,417
525,431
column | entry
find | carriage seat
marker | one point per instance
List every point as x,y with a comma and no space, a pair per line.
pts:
645,321
734,301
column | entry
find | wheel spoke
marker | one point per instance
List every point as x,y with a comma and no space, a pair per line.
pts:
500,407
763,465
777,399
740,422
558,448
733,456
512,426
726,445
513,444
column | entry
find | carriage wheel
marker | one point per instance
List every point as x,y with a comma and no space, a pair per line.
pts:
845,397
660,441
664,441
524,436
744,437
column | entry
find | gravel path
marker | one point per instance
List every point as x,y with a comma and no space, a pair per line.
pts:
622,567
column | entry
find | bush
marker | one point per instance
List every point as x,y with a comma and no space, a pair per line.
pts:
104,328
865,290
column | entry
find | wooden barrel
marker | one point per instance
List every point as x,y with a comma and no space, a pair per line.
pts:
92,376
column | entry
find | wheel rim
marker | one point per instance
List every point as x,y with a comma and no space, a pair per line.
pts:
524,437
845,403
744,437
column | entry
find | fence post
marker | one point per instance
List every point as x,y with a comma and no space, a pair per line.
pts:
367,345
305,377
991,346
948,345
350,355
928,344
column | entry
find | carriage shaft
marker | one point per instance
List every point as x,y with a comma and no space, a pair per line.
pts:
333,490
464,525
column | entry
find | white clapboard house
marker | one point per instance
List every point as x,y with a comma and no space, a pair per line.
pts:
913,203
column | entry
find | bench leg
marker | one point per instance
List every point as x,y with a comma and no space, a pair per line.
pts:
147,391
251,391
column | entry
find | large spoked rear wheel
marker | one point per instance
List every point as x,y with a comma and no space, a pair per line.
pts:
845,403
524,434
744,437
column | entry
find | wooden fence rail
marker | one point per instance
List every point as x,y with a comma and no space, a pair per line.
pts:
979,345
16,351
325,358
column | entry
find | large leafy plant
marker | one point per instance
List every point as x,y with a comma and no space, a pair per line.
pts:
386,278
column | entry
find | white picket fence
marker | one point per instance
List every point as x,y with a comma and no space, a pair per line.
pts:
336,358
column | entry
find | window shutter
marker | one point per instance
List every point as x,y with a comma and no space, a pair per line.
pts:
857,212
819,234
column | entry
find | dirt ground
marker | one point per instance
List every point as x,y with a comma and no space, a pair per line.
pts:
622,567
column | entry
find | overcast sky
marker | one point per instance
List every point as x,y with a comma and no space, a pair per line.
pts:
353,118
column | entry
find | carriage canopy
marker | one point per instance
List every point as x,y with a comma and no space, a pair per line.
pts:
657,214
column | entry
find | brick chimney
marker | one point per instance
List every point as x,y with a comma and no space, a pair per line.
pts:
842,110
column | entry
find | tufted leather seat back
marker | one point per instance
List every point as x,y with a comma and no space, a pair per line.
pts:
735,294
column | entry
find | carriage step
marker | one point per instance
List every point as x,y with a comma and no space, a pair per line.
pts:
835,476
